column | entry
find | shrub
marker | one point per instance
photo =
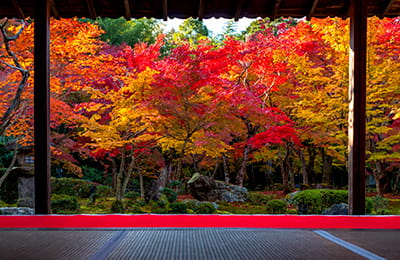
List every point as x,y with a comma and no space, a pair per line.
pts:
64,204
136,209
92,174
159,207
175,185
178,207
170,194
117,207
256,198
161,203
205,208
191,204
104,191
71,186
159,210
132,195
315,201
379,205
141,202
368,206
276,207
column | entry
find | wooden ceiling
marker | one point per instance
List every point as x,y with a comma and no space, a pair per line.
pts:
198,8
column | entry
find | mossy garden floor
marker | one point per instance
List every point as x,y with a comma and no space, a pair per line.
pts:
103,206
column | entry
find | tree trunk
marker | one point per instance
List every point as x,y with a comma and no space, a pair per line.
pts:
284,174
311,162
378,176
114,173
141,185
14,159
120,177
242,170
327,167
118,187
285,168
226,169
9,114
304,172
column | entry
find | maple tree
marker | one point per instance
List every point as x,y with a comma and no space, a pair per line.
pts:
318,87
71,42
383,95
274,96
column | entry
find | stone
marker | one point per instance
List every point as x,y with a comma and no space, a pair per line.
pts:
152,191
16,211
26,187
337,209
205,188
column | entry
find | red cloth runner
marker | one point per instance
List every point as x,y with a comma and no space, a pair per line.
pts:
200,221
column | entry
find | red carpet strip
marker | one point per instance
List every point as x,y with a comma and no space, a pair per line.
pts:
200,221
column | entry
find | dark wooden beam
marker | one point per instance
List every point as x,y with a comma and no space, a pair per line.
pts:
312,9
387,8
42,106
346,9
165,10
54,10
357,106
18,9
201,10
275,9
239,6
127,9
92,9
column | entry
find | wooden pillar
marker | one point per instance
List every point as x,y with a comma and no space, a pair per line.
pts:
357,103
42,106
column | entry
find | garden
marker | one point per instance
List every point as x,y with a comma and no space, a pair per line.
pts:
186,121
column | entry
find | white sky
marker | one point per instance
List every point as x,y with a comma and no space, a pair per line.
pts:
216,26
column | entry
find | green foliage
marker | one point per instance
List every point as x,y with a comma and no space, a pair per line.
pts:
9,189
260,25
118,31
191,204
5,154
64,204
178,207
256,198
132,195
104,191
205,208
379,205
92,174
192,30
71,186
3,204
136,209
368,206
160,206
176,186
170,194
117,207
141,202
276,207
161,203
315,201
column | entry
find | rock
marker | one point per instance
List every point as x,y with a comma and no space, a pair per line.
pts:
204,188
25,203
337,209
16,211
152,191
290,196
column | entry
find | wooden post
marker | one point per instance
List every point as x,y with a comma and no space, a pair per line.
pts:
357,103
42,106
